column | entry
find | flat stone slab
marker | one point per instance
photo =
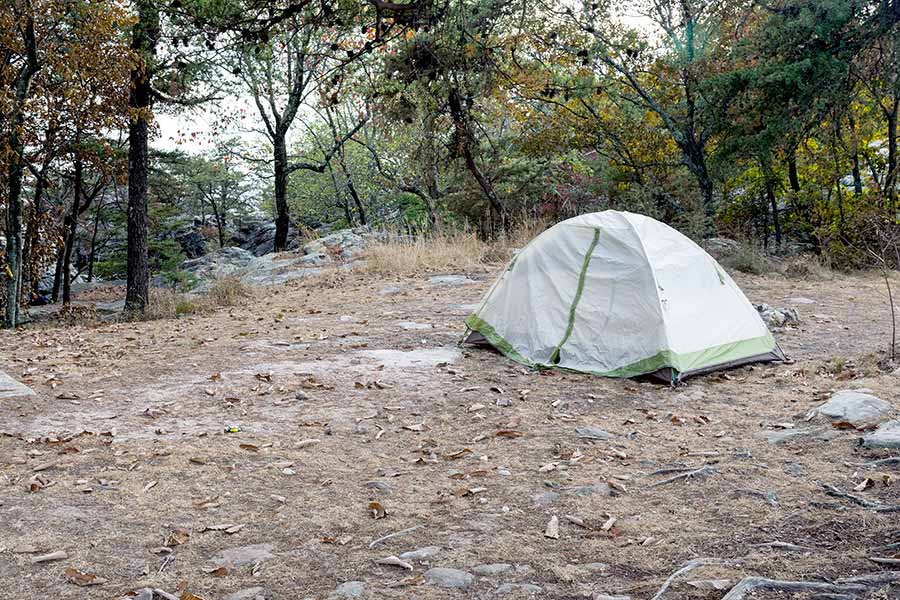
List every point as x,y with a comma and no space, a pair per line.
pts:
857,408
886,436
10,388
449,578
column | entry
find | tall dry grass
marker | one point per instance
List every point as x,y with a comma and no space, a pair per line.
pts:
448,251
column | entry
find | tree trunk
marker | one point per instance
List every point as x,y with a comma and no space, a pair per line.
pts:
464,142
282,216
890,179
145,35
432,195
14,174
92,256
71,230
694,158
32,280
769,177
357,201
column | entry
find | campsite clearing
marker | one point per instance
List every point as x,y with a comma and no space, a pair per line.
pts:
372,457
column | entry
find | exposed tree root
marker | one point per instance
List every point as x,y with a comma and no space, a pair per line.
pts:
864,502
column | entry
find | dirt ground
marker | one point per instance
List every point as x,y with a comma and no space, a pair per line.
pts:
354,402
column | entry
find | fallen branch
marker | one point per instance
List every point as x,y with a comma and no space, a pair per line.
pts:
830,490
893,562
704,471
689,566
851,585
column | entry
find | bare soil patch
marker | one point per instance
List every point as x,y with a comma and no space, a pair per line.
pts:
353,402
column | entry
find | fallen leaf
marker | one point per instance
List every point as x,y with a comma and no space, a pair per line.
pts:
216,571
509,433
458,454
377,509
178,537
82,579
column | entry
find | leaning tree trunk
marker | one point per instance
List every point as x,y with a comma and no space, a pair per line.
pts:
464,142
145,36
282,215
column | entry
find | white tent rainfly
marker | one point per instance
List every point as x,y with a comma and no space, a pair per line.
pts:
619,294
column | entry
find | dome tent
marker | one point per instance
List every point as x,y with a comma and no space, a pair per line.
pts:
620,295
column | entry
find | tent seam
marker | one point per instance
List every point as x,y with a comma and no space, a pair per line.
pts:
554,357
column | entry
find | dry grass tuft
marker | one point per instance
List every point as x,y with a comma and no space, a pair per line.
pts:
228,291
169,304
450,251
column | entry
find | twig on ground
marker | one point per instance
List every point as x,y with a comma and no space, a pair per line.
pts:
668,470
689,566
893,562
782,546
393,535
704,471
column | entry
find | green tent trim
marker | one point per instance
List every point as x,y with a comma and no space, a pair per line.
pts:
554,358
683,363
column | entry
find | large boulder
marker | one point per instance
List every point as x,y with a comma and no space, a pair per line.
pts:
258,236
854,408
221,263
344,245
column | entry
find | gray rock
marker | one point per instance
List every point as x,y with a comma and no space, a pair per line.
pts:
593,433
859,409
527,588
796,469
451,280
449,578
887,435
221,263
349,589
144,594
774,318
254,593
420,554
244,555
599,596
390,290
380,486
781,436
492,569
